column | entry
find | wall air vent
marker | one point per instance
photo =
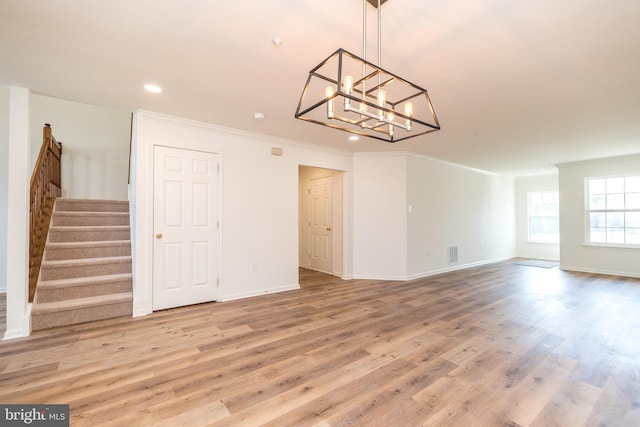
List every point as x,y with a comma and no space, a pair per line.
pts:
453,254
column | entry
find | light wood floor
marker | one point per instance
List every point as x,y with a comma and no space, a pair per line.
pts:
498,345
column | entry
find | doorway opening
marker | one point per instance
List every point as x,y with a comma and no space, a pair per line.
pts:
320,220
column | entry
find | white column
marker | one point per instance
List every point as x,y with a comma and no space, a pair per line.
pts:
18,311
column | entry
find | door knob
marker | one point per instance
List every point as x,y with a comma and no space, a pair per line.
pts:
159,236
328,228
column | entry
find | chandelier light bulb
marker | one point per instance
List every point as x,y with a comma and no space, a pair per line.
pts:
390,117
329,93
363,110
348,84
382,98
348,87
408,111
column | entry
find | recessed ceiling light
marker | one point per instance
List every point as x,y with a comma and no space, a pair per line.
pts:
152,88
258,116
353,138
276,41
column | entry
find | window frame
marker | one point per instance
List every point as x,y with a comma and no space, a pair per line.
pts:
530,215
623,211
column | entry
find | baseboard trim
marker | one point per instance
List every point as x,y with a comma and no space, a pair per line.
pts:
260,292
458,267
25,331
432,272
598,271
372,277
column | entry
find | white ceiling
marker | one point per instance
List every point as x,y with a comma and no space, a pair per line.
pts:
517,85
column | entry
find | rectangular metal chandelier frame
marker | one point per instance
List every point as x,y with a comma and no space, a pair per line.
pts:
388,114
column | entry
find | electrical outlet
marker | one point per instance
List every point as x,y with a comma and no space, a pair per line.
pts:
254,266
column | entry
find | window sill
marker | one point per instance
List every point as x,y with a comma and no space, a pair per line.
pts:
537,242
611,246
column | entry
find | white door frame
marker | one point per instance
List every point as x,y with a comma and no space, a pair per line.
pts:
338,192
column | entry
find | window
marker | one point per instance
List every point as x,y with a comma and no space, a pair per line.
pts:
614,210
543,209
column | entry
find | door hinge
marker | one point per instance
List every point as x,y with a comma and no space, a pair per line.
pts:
218,224
218,167
217,282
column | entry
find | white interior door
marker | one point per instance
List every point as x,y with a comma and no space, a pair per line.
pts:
186,235
320,225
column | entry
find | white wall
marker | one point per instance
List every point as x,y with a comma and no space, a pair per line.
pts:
379,219
4,154
409,209
259,203
456,206
95,146
524,248
18,309
575,254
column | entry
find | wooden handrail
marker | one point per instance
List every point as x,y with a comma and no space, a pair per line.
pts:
44,188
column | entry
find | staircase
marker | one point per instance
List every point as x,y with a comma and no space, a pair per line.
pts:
86,267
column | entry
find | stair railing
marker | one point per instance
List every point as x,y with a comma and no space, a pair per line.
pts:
45,187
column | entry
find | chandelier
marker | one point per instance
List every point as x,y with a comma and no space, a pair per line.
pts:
351,94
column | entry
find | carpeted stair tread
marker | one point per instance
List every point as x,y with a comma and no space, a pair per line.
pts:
96,213
86,286
85,261
79,281
92,244
74,218
87,249
89,227
91,205
79,233
84,267
78,303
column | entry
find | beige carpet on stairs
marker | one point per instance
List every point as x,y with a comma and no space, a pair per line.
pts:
86,269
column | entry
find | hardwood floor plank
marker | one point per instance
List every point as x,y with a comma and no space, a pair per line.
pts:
619,403
495,345
534,392
328,404
392,405
569,406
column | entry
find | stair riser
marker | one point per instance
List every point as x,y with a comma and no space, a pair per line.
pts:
86,206
49,272
58,236
80,315
56,254
83,291
97,220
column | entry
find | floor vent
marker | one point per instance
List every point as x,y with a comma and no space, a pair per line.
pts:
453,254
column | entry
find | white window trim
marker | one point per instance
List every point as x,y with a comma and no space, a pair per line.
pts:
587,222
540,242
